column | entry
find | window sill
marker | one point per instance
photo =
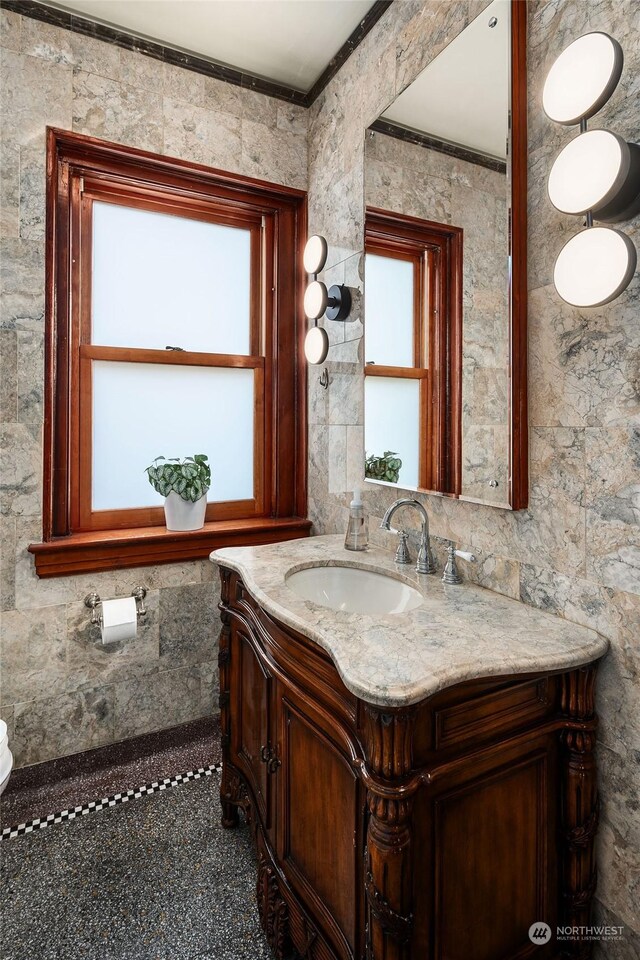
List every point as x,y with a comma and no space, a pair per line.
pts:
146,546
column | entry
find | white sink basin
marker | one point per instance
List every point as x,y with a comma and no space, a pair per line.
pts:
353,590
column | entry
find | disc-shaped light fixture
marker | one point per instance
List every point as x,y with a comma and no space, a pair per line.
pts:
315,300
596,171
582,78
315,254
594,267
316,345
336,302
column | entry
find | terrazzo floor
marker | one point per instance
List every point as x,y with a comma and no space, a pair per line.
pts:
154,879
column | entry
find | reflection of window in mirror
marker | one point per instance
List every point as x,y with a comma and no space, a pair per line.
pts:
413,317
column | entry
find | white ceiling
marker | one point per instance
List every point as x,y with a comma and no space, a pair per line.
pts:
463,95
288,41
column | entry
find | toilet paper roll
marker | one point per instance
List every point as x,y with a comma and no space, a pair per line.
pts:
119,619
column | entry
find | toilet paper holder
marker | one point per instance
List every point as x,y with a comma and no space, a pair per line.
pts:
93,601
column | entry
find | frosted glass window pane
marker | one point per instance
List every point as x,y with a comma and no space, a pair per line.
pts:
388,311
392,423
141,411
160,280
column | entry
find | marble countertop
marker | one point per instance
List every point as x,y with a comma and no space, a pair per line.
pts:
458,633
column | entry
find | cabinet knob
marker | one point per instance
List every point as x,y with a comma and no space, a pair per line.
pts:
273,764
265,754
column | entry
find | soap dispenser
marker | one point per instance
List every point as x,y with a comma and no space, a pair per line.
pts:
357,537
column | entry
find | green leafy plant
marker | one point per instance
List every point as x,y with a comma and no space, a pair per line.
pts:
386,467
189,478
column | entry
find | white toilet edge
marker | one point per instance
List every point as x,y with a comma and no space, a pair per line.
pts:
6,772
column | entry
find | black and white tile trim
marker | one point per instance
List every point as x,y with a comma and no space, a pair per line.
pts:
94,806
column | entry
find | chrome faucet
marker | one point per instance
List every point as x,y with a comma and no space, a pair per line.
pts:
424,563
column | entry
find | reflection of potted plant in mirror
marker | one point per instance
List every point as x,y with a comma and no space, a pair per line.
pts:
184,485
386,467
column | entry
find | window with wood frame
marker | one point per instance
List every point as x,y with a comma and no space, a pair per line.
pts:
413,336
173,306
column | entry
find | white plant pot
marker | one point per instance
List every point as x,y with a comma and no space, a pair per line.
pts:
184,514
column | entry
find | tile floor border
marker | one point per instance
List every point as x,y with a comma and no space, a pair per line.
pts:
95,806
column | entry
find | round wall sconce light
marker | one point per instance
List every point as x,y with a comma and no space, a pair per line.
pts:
596,175
598,172
316,344
315,254
582,78
315,299
594,267
335,302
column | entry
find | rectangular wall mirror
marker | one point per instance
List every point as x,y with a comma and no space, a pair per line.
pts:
445,272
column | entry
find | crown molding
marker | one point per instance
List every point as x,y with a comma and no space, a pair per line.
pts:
191,61
440,146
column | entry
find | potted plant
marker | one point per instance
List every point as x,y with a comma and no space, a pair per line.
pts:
184,485
386,467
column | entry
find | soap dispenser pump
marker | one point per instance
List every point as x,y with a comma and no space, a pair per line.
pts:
357,537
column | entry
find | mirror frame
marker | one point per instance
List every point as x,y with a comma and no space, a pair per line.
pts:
518,365
518,489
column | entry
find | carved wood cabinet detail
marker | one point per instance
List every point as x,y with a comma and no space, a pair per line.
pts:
438,831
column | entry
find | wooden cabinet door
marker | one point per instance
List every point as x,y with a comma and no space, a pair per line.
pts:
319,836
485,857
250,690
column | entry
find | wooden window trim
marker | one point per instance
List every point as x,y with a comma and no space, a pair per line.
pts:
148,546
397,235
71,159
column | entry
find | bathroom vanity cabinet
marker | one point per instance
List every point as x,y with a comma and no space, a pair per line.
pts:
439,830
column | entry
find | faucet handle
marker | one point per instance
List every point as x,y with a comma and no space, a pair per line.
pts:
465,555
451,574
402,551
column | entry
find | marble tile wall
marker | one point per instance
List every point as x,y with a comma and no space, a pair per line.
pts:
418,182
61,691
576,549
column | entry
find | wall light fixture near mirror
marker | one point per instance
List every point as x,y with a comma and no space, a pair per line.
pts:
445,272
597,174
335,302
